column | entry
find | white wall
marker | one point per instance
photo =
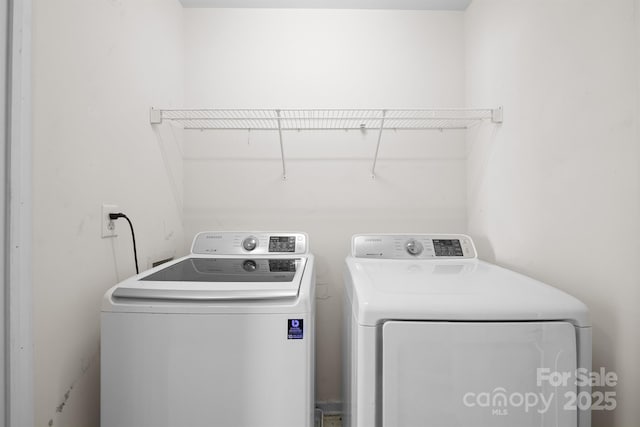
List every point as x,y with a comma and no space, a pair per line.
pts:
564,163
324,59
98,67
555,192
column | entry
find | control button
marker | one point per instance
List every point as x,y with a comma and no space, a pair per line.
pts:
250,243
414,247
249,265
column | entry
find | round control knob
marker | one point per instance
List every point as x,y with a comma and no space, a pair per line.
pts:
414,247
250,243
249,265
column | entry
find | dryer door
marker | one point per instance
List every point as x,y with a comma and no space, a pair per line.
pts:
481,374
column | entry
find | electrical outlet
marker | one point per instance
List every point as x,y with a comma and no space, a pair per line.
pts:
108,226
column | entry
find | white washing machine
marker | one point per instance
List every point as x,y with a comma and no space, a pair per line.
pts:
436,337
221,337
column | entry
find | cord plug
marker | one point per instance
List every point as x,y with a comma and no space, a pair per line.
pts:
114,216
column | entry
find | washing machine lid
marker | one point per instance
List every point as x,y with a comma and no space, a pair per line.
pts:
218,278
467,289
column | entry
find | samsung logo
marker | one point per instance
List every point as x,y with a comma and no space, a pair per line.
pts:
214,236
373,240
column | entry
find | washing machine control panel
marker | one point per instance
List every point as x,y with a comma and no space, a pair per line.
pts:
413,246
254,243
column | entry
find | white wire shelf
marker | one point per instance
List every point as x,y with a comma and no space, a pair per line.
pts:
327,119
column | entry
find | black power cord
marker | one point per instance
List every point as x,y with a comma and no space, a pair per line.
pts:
114,216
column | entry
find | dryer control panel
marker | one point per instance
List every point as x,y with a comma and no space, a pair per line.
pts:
413,246
254,243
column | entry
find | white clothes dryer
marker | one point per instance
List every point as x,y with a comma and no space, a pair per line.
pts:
221,337
436,337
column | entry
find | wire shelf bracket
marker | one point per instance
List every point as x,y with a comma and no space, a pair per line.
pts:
375,157
284,167
327,119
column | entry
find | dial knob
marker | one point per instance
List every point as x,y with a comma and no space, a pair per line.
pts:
249,265
250,243
414,247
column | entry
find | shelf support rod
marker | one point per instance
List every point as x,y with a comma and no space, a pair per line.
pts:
284,168
375,158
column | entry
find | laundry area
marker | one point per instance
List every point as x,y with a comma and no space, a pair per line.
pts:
375,213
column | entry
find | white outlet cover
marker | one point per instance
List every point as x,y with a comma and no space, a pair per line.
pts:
108,226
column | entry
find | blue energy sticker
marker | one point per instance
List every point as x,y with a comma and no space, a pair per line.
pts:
295,330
